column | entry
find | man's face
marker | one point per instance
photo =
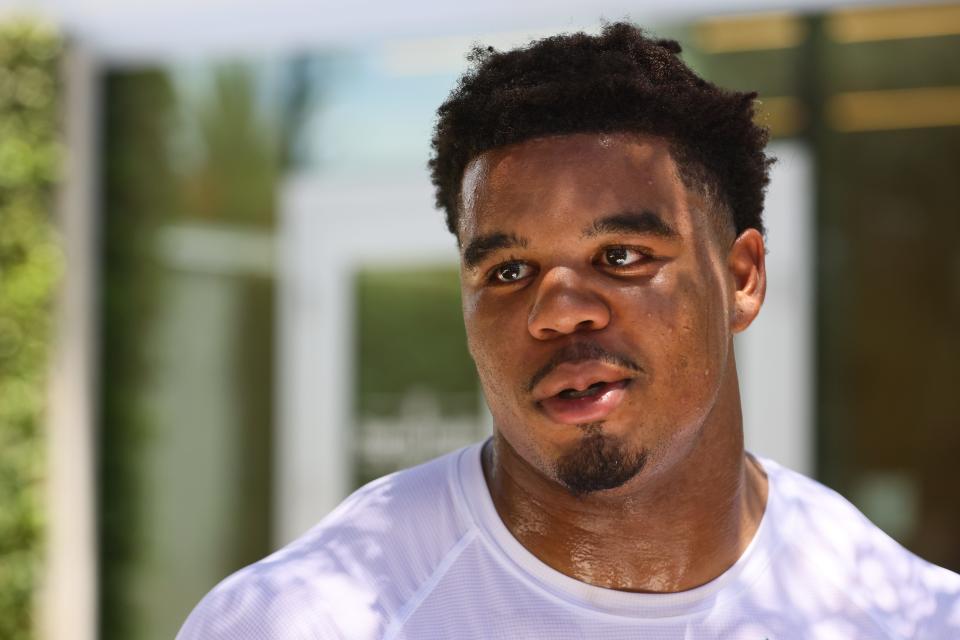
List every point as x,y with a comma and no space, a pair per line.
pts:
597,302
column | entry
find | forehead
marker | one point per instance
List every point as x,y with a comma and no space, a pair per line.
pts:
573,178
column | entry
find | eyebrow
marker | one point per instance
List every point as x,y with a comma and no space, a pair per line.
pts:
479,248
637,223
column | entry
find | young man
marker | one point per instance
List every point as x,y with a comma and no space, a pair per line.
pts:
607,204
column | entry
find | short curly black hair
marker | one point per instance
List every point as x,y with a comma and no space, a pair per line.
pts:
615,82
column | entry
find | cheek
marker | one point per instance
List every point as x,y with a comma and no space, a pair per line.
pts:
493,336
687,345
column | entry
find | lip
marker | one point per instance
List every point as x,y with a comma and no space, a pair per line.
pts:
586,409
579,376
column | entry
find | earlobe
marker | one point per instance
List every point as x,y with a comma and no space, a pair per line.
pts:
747,265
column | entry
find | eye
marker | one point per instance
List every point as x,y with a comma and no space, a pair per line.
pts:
622,256
511,272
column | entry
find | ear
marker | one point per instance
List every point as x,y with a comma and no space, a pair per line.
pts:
746,262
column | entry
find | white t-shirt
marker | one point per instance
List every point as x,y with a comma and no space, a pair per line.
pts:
422,554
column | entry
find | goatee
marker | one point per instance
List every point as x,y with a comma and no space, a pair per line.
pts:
600,462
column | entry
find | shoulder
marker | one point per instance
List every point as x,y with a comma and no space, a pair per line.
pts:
843,550
350,575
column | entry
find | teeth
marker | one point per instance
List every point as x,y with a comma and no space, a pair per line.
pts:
592,390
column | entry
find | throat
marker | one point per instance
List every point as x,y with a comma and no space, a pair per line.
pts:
661,545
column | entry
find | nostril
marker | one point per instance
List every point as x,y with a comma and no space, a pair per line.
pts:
562,309
548,331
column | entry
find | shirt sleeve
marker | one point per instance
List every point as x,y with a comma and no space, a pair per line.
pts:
943,623
251,611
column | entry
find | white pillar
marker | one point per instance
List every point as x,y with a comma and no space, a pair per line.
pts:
68,598
313,450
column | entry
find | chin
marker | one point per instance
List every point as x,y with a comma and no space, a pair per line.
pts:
599,461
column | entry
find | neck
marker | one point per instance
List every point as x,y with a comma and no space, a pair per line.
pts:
680,524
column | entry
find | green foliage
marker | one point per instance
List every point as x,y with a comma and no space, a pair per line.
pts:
237,181
411,318
208,151
30,265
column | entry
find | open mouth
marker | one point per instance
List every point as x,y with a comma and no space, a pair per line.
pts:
578,406
592,390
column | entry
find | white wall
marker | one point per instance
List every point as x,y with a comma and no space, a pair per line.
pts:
775,356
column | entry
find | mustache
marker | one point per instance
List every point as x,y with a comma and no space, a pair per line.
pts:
577,352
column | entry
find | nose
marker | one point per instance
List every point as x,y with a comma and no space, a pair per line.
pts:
566,304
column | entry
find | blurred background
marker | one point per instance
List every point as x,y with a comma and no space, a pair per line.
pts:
226,298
